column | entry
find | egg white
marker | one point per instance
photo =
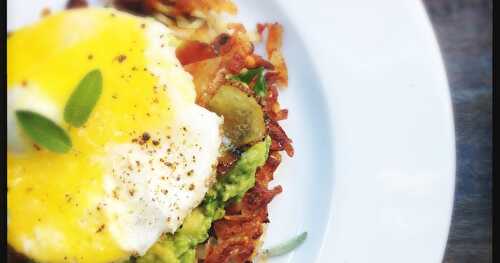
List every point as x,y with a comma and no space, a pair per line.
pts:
150,190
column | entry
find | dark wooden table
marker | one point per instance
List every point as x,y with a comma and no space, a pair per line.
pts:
464,31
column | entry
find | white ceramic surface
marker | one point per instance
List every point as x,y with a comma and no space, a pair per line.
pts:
370,115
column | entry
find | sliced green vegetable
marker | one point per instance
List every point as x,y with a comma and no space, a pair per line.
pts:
83,99
260,84
243,116
286,246
44,132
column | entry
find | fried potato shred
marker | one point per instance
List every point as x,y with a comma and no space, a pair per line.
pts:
273,49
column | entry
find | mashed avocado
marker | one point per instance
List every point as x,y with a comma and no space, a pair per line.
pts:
180,247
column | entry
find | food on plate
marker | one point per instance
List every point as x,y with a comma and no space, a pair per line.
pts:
131,139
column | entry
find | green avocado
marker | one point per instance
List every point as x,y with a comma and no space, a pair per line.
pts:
180,247
237,181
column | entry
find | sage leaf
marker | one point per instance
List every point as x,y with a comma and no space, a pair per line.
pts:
44,132
83,99
286,246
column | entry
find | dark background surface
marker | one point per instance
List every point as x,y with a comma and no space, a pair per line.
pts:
464,32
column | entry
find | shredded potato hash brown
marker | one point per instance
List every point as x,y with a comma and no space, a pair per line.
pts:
236,236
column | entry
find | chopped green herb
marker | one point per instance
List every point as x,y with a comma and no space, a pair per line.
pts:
83,99
247,77
286,246
44,132
260,85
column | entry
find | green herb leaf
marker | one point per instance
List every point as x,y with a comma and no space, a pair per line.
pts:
247,77
83,99
44,131
260,85
285,247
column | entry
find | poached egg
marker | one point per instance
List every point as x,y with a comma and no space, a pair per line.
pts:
143,160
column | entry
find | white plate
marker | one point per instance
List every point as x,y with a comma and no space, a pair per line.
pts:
370,115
